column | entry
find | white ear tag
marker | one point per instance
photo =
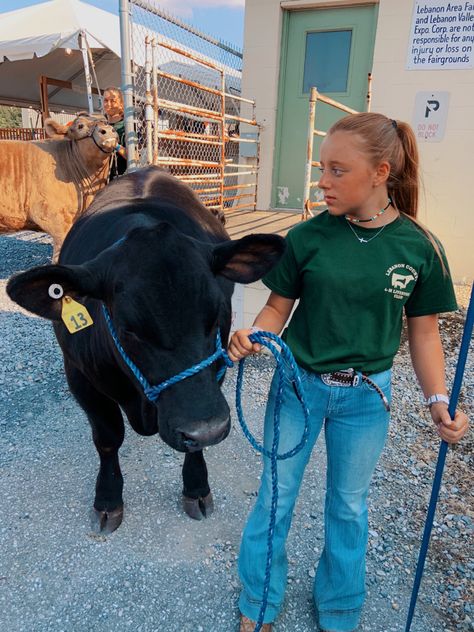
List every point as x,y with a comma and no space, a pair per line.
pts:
74,315
55,290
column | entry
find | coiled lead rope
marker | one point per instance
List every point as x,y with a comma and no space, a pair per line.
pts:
283,356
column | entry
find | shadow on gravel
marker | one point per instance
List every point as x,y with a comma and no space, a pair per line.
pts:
23,250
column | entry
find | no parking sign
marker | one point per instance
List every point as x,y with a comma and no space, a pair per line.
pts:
431,113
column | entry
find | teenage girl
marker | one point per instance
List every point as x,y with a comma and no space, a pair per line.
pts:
354,269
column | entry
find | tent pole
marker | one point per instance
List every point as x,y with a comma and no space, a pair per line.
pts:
85,61
127,85
44,98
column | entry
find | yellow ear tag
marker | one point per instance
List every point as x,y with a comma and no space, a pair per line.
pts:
75,316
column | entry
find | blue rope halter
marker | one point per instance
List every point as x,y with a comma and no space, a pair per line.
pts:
153,392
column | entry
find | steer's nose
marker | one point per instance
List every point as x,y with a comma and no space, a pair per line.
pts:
202,434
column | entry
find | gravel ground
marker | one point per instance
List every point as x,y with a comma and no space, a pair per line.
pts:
163,572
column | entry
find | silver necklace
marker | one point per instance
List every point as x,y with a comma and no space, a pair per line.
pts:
363,240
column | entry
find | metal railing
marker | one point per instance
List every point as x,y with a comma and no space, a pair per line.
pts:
187,109
190,128
314,97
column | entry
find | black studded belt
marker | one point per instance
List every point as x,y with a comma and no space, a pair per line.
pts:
351,377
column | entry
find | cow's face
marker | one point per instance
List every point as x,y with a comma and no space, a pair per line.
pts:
167,295
85,125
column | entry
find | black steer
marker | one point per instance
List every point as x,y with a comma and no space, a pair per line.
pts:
163,266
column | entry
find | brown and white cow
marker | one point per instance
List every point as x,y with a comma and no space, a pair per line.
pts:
46,185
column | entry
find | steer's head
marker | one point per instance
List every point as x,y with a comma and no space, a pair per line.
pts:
85,125
168,295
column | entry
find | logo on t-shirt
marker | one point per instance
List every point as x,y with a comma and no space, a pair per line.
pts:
402,279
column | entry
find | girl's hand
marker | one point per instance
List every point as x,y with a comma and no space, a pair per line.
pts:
450,430
240,346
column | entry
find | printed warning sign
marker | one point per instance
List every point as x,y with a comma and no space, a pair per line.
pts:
441,36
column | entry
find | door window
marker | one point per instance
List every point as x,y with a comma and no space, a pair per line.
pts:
326,63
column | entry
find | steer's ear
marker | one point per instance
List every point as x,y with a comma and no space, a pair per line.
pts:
35,289
54,129
248,259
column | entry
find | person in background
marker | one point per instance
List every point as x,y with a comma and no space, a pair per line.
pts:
355,269
114,113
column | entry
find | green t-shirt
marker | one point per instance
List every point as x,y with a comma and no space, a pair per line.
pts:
351,294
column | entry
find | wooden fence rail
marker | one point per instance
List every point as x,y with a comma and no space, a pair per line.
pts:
21,133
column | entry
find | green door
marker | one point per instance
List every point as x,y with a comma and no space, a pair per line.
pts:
330,49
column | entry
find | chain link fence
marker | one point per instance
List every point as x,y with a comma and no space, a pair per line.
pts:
190,116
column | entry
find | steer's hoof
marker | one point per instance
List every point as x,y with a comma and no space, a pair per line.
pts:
106,522
198,508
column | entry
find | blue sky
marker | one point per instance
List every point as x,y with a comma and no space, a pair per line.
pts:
223,19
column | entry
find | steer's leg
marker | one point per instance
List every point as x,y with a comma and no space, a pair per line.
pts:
197,497
107,426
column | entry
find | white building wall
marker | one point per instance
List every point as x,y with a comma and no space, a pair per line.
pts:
447,205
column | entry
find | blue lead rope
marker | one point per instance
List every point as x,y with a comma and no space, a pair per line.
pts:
265,338
453,400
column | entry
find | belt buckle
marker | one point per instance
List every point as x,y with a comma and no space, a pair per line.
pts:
330,380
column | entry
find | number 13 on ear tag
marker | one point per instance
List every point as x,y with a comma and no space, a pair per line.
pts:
75,316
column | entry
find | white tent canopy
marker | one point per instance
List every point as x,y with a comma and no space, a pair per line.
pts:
44,40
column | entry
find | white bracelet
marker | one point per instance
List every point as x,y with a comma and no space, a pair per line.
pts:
255,329
437,397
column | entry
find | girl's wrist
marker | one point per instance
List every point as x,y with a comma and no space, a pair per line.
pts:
437,398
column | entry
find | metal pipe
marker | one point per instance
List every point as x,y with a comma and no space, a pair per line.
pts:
87,74
369,91
309,153
155,100
222,126
200,60
238,139
148,102
188,138
190,109
188,82
250,172
242,120
231,187
235,96
188,162
236,165
336,104
127,85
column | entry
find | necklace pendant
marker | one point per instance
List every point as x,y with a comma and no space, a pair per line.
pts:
362,240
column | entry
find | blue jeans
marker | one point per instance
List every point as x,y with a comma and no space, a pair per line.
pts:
355,428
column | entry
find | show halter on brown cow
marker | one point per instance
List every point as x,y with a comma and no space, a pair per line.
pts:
46,185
